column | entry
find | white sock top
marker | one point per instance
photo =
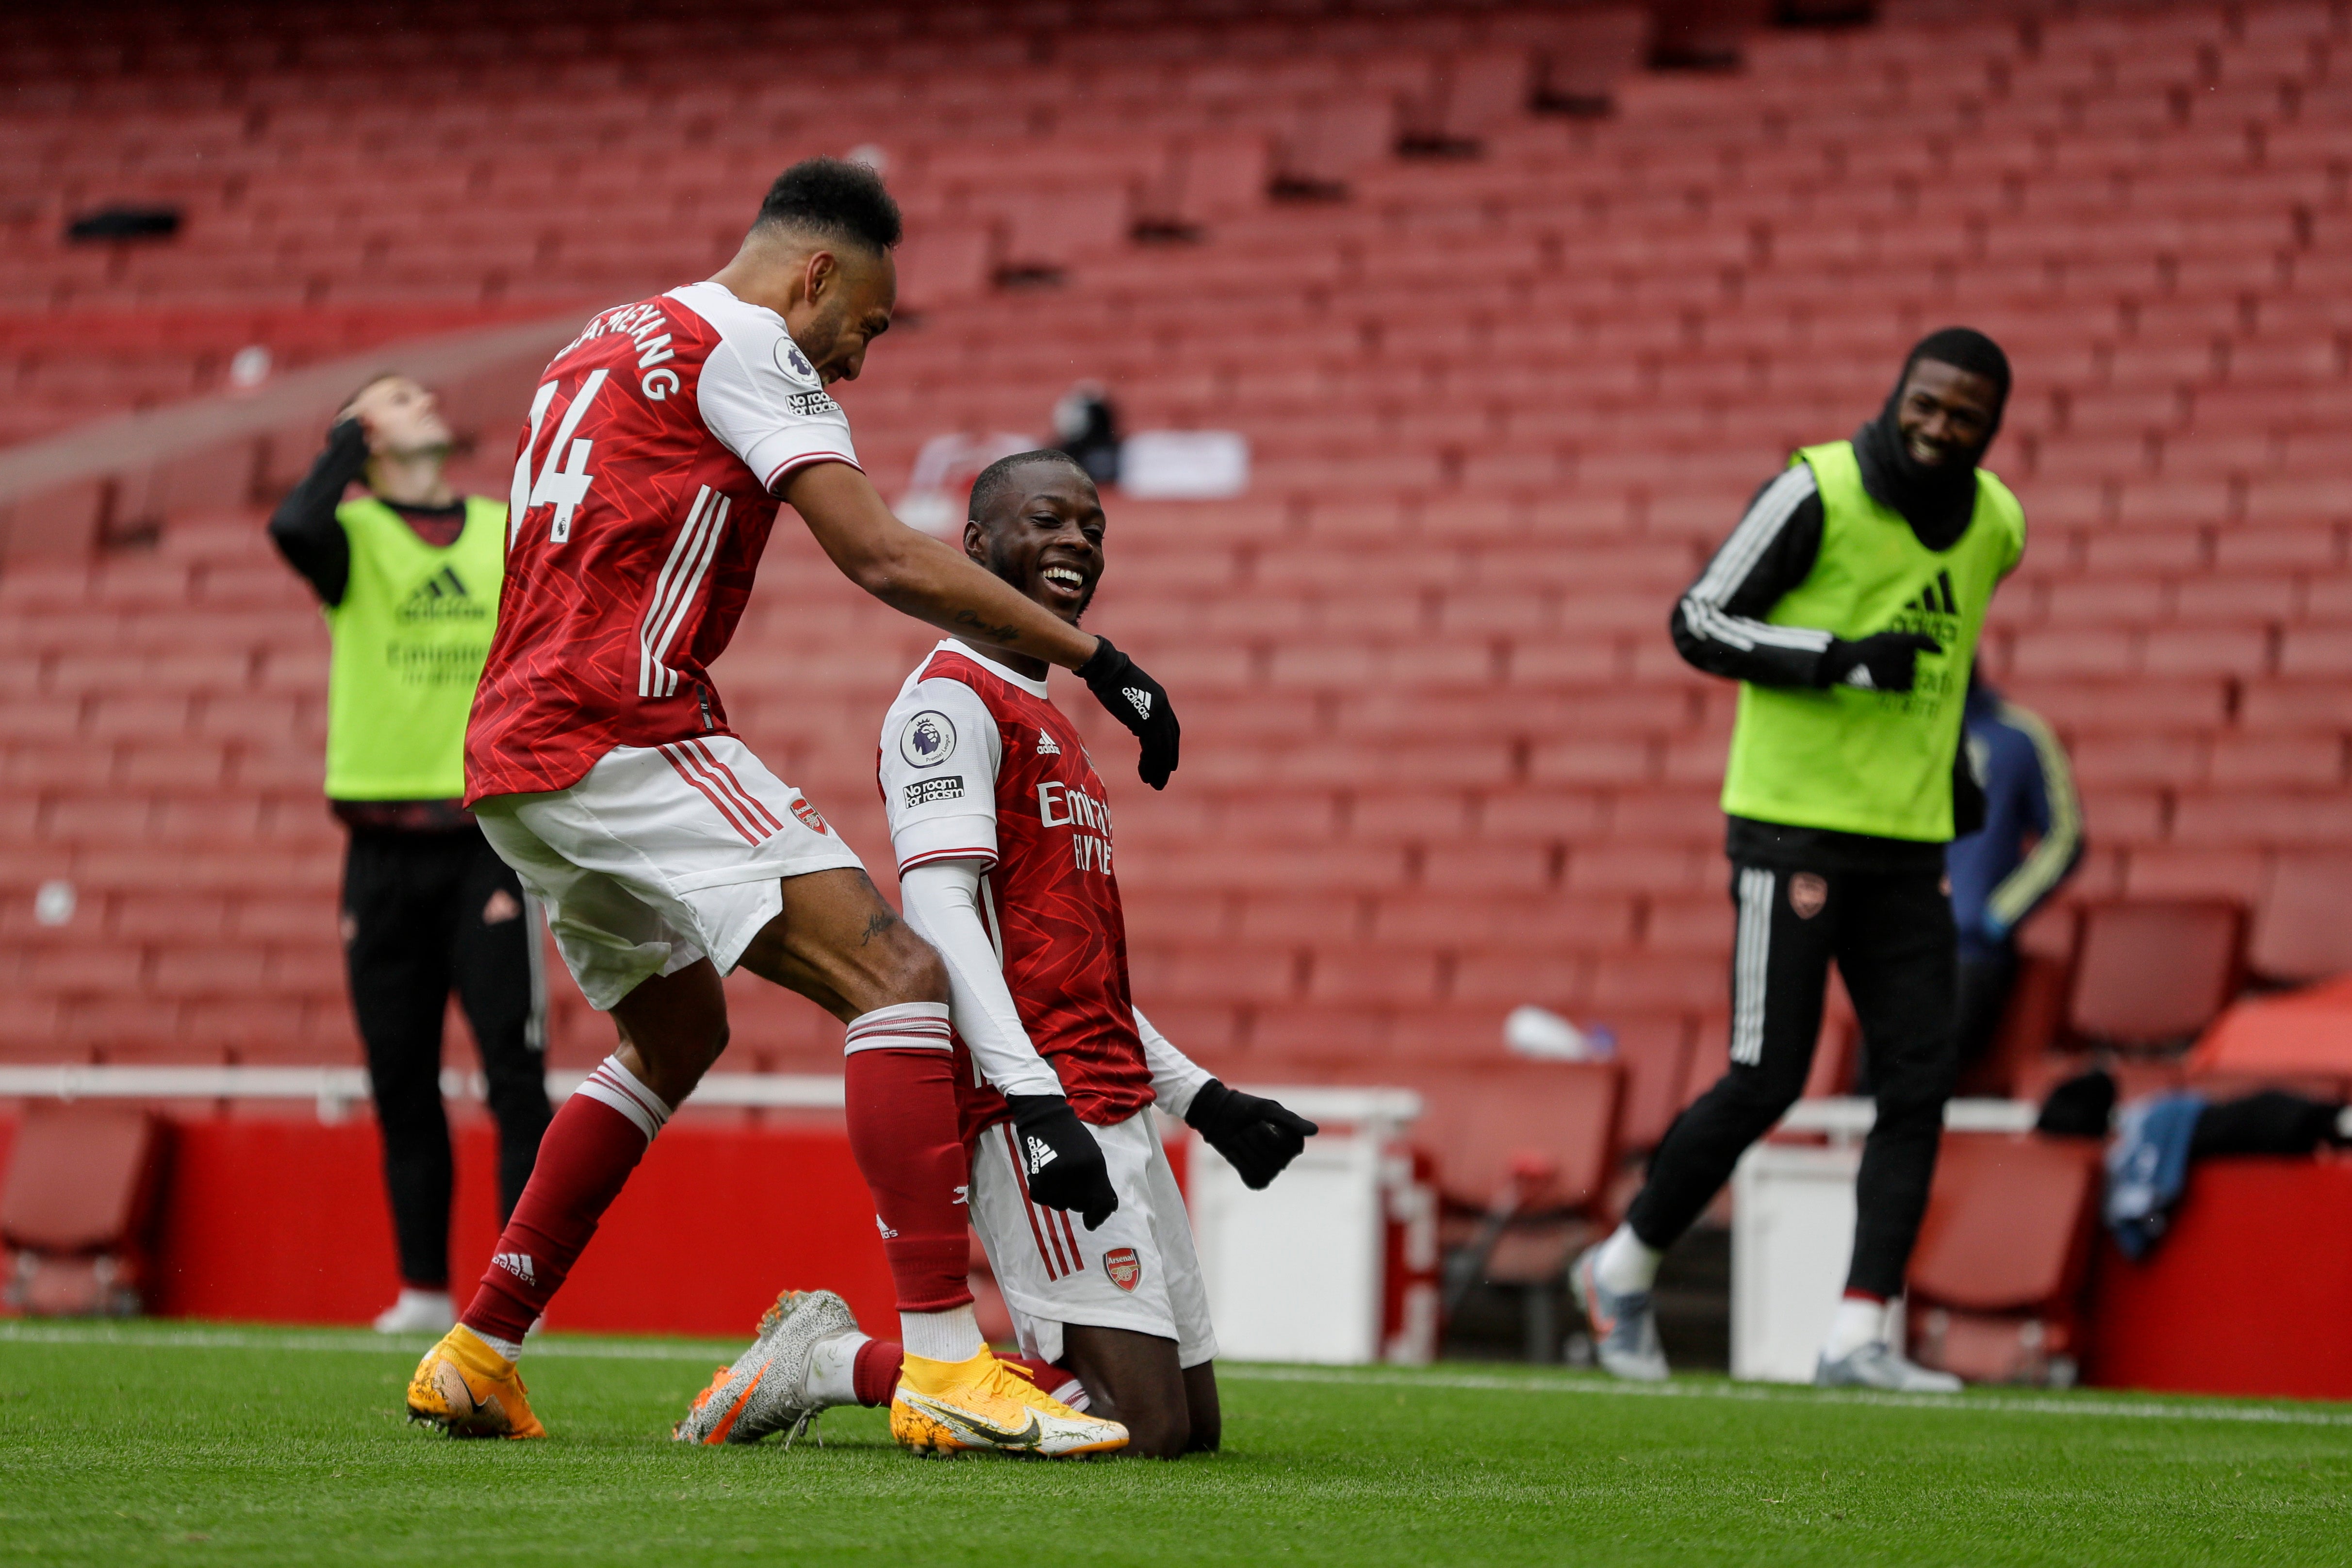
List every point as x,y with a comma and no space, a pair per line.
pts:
614,1085
951,1335
510,1348
1625,1265
833,1369
1858,1322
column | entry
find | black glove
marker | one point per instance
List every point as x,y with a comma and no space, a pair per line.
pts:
1255,1134
1140,703
347,441
1060,1159
1890,660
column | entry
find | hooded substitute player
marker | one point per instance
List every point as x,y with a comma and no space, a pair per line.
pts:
1004,845
599,763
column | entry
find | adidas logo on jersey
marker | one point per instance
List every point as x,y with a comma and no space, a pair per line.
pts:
1045,746
1041,1155
1140,698
517,1264
887,1234
441,596
1928,598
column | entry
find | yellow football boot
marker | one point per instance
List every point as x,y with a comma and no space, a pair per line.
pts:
469,1390
984,1406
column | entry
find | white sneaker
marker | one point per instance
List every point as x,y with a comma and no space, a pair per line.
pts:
1624,1325
766,1388
1878,1365
418,1312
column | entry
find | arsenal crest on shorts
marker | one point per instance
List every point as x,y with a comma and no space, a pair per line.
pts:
1124,1268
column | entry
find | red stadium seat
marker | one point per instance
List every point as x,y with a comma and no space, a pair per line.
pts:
2299,931
1996,1278
2154,974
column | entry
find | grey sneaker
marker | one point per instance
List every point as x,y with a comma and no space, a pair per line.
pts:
765,1390
1624,1329
1878,1365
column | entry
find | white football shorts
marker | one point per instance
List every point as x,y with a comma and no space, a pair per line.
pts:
1137,1271
661,855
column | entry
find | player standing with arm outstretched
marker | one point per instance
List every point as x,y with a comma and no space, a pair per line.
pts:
601,766
1002,831
1847,603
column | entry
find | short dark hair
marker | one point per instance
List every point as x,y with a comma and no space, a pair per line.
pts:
369,384
997,478
839,200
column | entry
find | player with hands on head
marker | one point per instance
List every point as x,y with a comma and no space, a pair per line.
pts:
1002,831
654,457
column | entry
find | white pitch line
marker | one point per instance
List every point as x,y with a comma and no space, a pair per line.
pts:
331,1343
1973,1404
1986,1403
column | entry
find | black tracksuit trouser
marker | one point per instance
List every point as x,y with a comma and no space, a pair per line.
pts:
425,914
1891,935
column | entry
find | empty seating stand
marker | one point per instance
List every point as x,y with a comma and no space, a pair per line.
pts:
1510,367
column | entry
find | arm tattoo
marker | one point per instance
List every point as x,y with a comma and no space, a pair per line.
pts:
875,924
1006,634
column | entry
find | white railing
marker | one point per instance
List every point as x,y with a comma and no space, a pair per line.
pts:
335,1090
1847,1118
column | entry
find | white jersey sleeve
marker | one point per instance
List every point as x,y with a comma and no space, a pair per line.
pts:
941,752
759,394
943,906
1175,1076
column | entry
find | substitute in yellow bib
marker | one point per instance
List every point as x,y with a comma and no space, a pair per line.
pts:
409,575
1847,603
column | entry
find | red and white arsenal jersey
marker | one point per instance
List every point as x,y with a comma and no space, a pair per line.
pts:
644,490
977,764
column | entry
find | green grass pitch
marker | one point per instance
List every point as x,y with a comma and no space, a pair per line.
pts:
172,1443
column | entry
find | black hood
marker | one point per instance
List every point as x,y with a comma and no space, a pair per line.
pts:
1937,502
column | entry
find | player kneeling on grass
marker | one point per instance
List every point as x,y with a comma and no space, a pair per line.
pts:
599,760
1003,839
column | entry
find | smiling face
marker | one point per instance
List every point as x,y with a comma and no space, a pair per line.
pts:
1043,533
844,300
1944,415
402,419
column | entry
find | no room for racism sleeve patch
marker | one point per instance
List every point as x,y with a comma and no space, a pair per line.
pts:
930,791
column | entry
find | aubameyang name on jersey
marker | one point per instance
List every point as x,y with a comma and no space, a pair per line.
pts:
1059,805
641,322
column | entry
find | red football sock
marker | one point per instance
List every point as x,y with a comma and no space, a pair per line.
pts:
904,1132
585,1156
875,1373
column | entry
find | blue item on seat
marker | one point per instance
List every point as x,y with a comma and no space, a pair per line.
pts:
2147,1167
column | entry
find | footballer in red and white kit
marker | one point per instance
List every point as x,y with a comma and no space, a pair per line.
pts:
598,758
1008,866
600,763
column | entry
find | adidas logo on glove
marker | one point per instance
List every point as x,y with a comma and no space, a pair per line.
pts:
1140,698
1041,1155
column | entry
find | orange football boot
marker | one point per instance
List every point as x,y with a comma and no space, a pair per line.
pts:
469,1390
985,1406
